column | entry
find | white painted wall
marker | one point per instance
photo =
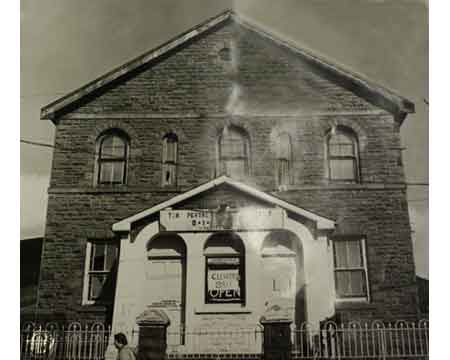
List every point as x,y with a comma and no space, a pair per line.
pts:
135,291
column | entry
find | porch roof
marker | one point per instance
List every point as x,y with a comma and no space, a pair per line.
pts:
321,222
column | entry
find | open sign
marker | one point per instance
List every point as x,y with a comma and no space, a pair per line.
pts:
223,285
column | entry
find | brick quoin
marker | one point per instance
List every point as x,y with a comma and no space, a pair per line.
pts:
188,91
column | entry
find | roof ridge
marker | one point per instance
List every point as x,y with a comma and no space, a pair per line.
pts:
357,82
308,52
137,61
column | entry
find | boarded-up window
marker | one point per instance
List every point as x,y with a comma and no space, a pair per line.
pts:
234,150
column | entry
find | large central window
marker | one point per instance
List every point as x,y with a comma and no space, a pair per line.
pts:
225,275
233,153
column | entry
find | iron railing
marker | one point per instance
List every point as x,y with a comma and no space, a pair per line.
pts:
377,340
71,342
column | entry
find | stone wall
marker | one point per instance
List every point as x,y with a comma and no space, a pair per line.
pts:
194,92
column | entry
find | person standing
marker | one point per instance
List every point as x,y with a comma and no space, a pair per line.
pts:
124,352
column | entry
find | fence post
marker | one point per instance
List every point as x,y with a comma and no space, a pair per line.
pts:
152,342
277,338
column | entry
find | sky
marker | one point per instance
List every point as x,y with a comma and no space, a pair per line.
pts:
67,43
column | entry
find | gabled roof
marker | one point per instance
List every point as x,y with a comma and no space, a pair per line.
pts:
365,88
321,222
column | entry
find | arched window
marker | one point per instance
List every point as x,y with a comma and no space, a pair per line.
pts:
225,269
283,153
112,158
342,153
233,152
169,159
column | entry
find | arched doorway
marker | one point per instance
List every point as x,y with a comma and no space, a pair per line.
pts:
283,271
166,279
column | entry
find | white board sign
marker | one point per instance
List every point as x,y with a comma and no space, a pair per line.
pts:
210,220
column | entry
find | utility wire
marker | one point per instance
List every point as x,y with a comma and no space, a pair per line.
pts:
41,144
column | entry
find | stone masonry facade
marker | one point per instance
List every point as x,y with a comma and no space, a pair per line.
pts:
192,92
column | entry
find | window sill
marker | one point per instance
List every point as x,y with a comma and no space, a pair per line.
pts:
353,304
93,308
222,309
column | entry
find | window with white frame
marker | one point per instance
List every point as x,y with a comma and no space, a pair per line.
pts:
350,268
233,153
283,155
342,153
112,158
100,271
169,159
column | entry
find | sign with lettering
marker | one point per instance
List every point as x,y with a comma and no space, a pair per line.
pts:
223,285
210,220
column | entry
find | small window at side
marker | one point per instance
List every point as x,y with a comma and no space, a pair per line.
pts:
169,159
350,268
100,271
283,158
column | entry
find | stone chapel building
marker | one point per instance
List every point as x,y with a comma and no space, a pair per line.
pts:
222,175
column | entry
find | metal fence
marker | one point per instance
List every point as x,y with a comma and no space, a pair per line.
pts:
399,340
71,342
377,340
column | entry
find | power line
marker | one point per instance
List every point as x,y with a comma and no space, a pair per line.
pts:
29,142
41,144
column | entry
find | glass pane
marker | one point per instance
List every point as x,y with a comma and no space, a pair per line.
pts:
96,282
106,171
235,168
350,283
340,250
341,150
232,144
283,147
169,174
341,138
342,169
111,255
117,175
354,253
112,172
113,147
98,257
283,172
170,153
343,286
357,283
